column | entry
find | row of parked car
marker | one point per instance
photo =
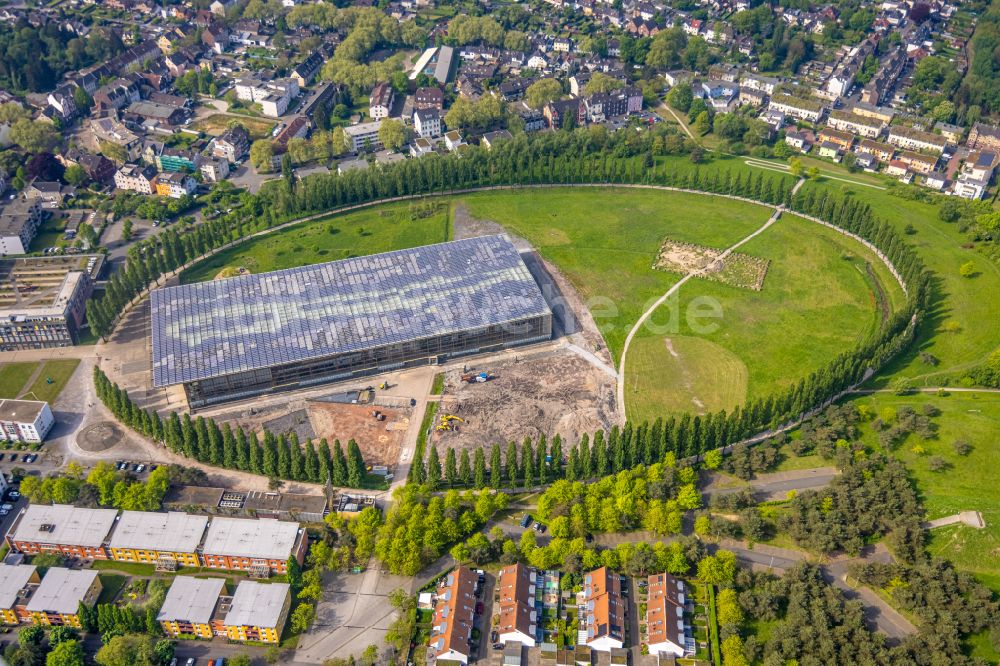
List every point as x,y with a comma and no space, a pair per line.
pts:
26,458
138,468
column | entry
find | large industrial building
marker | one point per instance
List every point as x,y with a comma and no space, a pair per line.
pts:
43,299
252,334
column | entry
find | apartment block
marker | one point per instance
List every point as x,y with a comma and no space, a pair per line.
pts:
194,607
261,547
258,612
25,420
63,529
56,601
19,222
17,581
164,539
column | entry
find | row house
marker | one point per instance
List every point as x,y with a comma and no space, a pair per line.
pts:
454,614
909,138
118,94
842,140
917,162
883,114
135,178
297,128
846,121
307,70
765,84
983,136
668,633
798,107
603,611
518,617
882,152
602,106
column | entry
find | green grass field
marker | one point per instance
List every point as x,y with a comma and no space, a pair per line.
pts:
969,483
817,301
605,240
338,237
59,372
13,377
959,302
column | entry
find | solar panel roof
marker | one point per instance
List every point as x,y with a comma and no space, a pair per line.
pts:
257,321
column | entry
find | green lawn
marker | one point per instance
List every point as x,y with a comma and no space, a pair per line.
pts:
968,484
817,301
13,377
960,303
111,585
56,372
355,234
605,240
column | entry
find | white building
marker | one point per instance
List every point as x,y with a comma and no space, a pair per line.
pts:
135,178
273,96
908,138
845,121
19,222
797,107
25,420
364,136
427,123
380,103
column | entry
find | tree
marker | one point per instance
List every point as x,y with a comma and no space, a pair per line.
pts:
602,83
795,167
302,617
703,123
967,270
392,134
76,175
262,154
680,97
541,92
67,653
33,136
129,650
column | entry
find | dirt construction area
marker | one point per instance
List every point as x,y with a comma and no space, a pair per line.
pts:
548,392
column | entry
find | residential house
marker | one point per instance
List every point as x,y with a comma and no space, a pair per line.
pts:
297,128
307,70
603,612
165,539
62,101
491,139
192,607
233,145
914,139
364,136
24,421
453,140
842,140
175,185
428,98
99,168
135,178
917,162
668,632
798,107
831,151
980,165
63,529
274,96
380,102
869,128
57,599
258,612
882,152
215,37
214,171
427,123
518,618
797,140
752,97
759,82
453,620
983,136
118,94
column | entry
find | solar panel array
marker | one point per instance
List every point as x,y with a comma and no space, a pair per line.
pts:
252,322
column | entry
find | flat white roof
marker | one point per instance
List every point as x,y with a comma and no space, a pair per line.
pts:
191,599
147,530
62,590
257,604
62,524
265,538
13,578
422,61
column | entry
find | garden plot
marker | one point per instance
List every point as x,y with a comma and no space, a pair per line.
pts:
736,269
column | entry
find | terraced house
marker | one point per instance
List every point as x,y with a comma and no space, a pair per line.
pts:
56,601
194,607
164,539
454,612
518,616
63,529
16,583
258,612
603,612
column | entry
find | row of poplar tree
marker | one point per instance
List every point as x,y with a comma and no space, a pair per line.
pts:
202,439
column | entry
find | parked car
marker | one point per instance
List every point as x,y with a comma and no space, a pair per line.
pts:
539,527
190,661
140,468
4,512
33,457
120,465
13,494
526,520
135,468
26,458
7,507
